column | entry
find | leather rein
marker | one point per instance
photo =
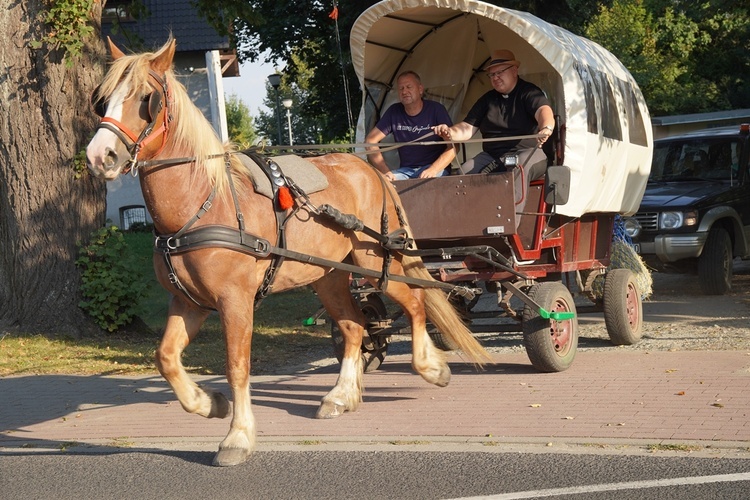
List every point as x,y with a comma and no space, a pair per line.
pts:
186,238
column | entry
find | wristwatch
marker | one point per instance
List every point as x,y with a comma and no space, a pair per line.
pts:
548,127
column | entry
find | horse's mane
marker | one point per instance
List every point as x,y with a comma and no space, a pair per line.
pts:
190,134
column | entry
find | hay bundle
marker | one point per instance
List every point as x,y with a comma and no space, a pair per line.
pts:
624,256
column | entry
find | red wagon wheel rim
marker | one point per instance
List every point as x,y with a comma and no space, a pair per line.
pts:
561,332
632,301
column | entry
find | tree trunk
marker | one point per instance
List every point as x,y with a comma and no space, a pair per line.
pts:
45,120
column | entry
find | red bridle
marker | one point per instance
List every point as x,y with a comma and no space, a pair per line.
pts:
160,100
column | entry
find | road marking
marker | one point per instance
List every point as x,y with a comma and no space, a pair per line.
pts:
634,485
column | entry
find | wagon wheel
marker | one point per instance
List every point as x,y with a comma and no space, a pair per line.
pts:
440,342
623,309
550,344
374,347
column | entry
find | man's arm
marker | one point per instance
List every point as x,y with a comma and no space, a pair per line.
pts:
546,120
459,132
376,157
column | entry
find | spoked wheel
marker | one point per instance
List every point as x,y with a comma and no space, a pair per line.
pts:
550,344
374,347
623,309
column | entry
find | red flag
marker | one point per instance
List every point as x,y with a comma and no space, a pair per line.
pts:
334,13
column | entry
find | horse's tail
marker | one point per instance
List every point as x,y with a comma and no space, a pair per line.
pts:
444,316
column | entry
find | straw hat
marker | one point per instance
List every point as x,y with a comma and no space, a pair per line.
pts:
502,56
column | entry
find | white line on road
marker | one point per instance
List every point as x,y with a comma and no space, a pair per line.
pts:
634,485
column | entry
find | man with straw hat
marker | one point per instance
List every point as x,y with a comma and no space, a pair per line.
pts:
514,107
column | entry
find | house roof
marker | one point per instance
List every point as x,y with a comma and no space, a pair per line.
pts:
178,17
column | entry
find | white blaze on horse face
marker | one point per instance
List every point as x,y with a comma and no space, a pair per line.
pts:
106,155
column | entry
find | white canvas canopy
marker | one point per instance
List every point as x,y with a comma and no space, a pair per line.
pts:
601,112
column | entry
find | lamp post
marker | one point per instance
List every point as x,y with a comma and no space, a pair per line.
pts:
275,81
288,105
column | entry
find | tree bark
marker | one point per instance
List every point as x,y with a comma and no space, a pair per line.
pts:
45,120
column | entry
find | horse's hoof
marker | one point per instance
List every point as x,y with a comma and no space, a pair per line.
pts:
330,409
444,377
230,456
440,377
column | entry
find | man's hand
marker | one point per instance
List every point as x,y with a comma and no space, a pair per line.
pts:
431,172
443,131
544,133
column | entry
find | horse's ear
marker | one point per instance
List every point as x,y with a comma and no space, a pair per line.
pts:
116,53
163,60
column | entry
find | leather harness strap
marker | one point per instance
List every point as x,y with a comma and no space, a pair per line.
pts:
238,239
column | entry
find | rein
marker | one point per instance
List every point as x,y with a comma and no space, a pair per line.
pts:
238,239
186,239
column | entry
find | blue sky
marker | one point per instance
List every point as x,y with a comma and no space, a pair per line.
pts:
250,86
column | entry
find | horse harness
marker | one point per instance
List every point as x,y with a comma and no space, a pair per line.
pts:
238,239
135,142
186,239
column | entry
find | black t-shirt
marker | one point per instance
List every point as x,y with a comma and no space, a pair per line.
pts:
499,116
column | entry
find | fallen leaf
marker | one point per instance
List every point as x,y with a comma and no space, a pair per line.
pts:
717,405
681,393
568,418
535,405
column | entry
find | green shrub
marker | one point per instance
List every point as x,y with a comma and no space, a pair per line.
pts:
111,290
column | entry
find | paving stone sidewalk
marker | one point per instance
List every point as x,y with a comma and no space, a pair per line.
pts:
618,397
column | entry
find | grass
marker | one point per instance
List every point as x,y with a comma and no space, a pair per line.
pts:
279,339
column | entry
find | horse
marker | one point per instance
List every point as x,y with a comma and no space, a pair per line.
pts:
189,178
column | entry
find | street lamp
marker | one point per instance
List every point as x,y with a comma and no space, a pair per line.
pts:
288,105
275,81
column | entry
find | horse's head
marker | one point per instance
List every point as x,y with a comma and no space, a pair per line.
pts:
134,103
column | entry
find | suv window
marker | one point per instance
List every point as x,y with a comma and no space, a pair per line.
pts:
696,159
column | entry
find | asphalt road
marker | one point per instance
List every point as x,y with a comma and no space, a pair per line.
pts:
376,473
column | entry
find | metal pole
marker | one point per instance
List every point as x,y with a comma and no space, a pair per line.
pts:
278,113
289,125
275,81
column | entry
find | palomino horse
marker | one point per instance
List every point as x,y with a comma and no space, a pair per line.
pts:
182,165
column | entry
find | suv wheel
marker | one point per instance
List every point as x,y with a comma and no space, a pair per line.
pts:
715,263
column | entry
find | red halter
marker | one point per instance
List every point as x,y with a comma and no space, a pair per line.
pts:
160,99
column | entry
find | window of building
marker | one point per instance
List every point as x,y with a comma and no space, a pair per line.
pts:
132,214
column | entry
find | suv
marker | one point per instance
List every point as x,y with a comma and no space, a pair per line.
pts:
695,213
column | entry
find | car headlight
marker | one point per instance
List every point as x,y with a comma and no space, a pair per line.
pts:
676,220
632,226
670,220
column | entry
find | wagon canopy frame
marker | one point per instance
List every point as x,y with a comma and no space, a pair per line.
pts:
604,121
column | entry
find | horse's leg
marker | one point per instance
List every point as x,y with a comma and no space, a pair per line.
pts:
237,322
333,292
183,323
427,360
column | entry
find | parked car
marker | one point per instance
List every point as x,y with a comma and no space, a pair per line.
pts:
695,213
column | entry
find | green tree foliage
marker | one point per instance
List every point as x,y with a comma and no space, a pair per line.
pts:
308,126
671,52
305,32
239,123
